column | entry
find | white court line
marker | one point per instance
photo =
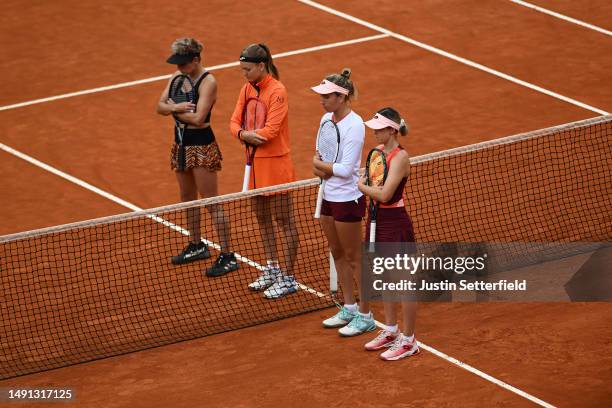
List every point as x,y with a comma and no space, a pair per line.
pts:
479,373
384,33
174,227
133,207
489,70
486,376
452,56
562,17
212,68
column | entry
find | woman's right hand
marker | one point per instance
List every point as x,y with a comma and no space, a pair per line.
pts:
251,137
182,107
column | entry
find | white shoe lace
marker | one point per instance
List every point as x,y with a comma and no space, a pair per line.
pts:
383,334
355,321
270,272
397,344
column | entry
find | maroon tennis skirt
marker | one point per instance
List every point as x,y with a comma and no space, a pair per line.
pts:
347,211
392,225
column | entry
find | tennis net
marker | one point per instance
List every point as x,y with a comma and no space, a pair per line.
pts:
105,287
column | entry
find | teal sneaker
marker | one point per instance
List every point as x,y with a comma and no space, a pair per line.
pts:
358,325
340,319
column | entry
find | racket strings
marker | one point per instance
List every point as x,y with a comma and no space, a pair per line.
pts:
254,115
182,90
376,170
327,143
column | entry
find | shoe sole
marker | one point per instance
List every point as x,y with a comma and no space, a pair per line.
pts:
290,292
210,275
408,354
190,260
336,326
260,289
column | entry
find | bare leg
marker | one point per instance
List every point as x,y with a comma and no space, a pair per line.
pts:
390,313
345,273
283,211
266,227
189,192
349,234
409,317
206,182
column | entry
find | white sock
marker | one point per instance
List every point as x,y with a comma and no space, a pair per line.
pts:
352,308
366,315
392,329
409,339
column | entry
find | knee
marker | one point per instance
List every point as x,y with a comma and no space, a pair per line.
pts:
188,196
337,252
286,223
352,257
263,217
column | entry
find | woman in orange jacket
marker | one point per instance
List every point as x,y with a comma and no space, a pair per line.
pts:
272,165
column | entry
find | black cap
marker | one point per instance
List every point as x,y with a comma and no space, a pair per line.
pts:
253,59
180,59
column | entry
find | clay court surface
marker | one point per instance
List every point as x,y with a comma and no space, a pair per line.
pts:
558,353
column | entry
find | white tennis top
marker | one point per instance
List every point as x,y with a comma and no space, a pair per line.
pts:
342,186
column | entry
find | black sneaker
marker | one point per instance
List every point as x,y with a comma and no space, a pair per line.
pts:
192,252
225,263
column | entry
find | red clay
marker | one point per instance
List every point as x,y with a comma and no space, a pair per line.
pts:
558,352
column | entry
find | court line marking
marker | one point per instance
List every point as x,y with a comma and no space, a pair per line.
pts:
212,68
479,373
562,17
491,71
453,57
250,262
486,376
133,207
384,33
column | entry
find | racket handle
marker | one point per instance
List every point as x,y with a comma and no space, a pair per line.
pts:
246,178
372,236
317,213
333,275
181,156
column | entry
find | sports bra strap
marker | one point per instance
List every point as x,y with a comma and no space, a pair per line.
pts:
200,79
391,155
197,92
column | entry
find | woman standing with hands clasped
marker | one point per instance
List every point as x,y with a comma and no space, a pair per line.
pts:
273,164
343,205
393,225
202,159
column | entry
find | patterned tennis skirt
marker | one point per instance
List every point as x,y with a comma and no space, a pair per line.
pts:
207,156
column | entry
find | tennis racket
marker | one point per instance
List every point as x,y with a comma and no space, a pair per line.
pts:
328,145
182,89
253,118
376,171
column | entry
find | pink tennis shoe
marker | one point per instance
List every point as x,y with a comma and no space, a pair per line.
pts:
384,339
401,348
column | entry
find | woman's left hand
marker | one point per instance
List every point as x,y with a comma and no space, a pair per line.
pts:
316,163
361,183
